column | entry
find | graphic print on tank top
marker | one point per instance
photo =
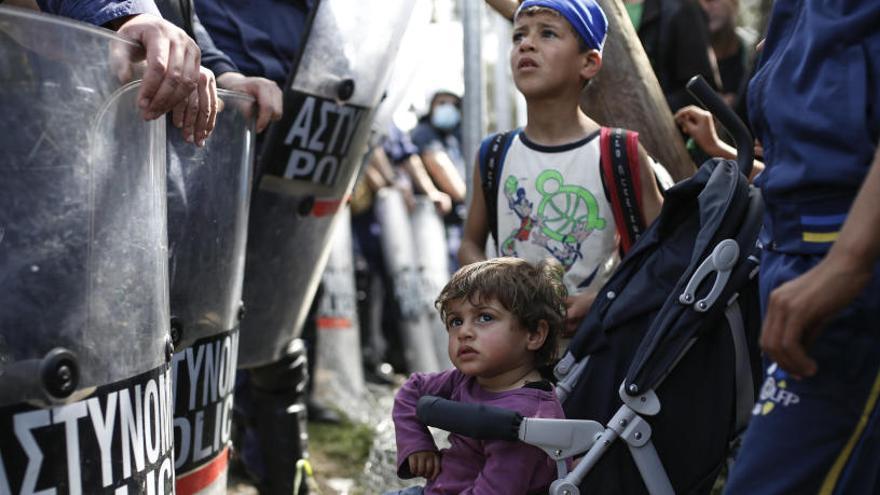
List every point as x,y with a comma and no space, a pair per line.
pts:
559,211
566,215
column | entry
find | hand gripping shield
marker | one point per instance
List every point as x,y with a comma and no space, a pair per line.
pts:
84,345
309,165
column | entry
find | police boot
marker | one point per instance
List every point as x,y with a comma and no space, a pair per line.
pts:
278,393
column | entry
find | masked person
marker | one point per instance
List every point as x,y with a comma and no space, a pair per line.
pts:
438,139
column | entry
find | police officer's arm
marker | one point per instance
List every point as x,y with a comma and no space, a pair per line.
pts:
443,171
416,170
380,162
798,310
173,58
173,63
266,92
476,226
374,178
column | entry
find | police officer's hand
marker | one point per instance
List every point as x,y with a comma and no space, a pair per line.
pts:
798,310
173,60
197,114
442,202
266,92
425,464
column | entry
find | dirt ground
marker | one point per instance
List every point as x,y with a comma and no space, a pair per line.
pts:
354,458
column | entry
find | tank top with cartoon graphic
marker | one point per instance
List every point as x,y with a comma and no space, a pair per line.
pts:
551,203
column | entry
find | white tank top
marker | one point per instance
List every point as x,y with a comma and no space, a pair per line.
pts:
551,203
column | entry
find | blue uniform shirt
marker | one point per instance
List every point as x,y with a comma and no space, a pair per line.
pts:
98,12
261,36
397,145
814,105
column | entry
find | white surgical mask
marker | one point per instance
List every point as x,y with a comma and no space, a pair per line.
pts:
445,117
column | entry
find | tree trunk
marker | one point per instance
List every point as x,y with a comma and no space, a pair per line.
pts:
626,94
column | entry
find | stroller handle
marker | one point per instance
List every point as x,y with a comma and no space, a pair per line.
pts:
473,420
745,154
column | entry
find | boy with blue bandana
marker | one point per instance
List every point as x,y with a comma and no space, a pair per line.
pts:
551,198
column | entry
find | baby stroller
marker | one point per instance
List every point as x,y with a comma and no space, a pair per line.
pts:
667,358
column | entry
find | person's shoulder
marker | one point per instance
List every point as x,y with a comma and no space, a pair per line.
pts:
423,134
509,133
423,128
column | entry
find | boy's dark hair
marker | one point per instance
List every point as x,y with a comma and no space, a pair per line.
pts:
531,292
535,10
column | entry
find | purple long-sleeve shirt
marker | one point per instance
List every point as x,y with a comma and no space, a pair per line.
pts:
471,466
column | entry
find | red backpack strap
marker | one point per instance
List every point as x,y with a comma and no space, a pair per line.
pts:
622,181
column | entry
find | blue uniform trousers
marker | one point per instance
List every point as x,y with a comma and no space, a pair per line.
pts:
820,434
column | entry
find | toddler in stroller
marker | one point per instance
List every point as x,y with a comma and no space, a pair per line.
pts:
667,358
502,318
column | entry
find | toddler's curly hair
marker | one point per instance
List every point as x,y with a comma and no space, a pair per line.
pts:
531,292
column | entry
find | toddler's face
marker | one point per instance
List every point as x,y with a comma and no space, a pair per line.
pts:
486,340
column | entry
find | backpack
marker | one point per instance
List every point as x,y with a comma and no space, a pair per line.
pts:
679,317
619,170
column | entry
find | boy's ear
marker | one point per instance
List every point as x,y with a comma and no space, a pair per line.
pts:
538,336
592,64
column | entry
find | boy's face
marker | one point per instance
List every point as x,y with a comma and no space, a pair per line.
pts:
545,58
486,341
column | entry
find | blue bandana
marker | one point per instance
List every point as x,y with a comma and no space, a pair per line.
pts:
585,16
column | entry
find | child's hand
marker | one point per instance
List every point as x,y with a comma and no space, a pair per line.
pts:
698,124
577,306
425,464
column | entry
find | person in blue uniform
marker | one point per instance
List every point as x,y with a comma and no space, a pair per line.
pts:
815,106
266,93
262,38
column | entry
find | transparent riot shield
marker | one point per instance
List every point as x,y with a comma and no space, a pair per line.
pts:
84,345
309,165
339,375
400,253
208,197
432,267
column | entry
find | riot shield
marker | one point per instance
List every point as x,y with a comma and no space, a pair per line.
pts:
432,267
208,195
339,374
400,254
84,346
309,164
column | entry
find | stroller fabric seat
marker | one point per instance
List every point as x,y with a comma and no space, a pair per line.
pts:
679,317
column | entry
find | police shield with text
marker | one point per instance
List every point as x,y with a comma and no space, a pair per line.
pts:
85,386
208,197
307,169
